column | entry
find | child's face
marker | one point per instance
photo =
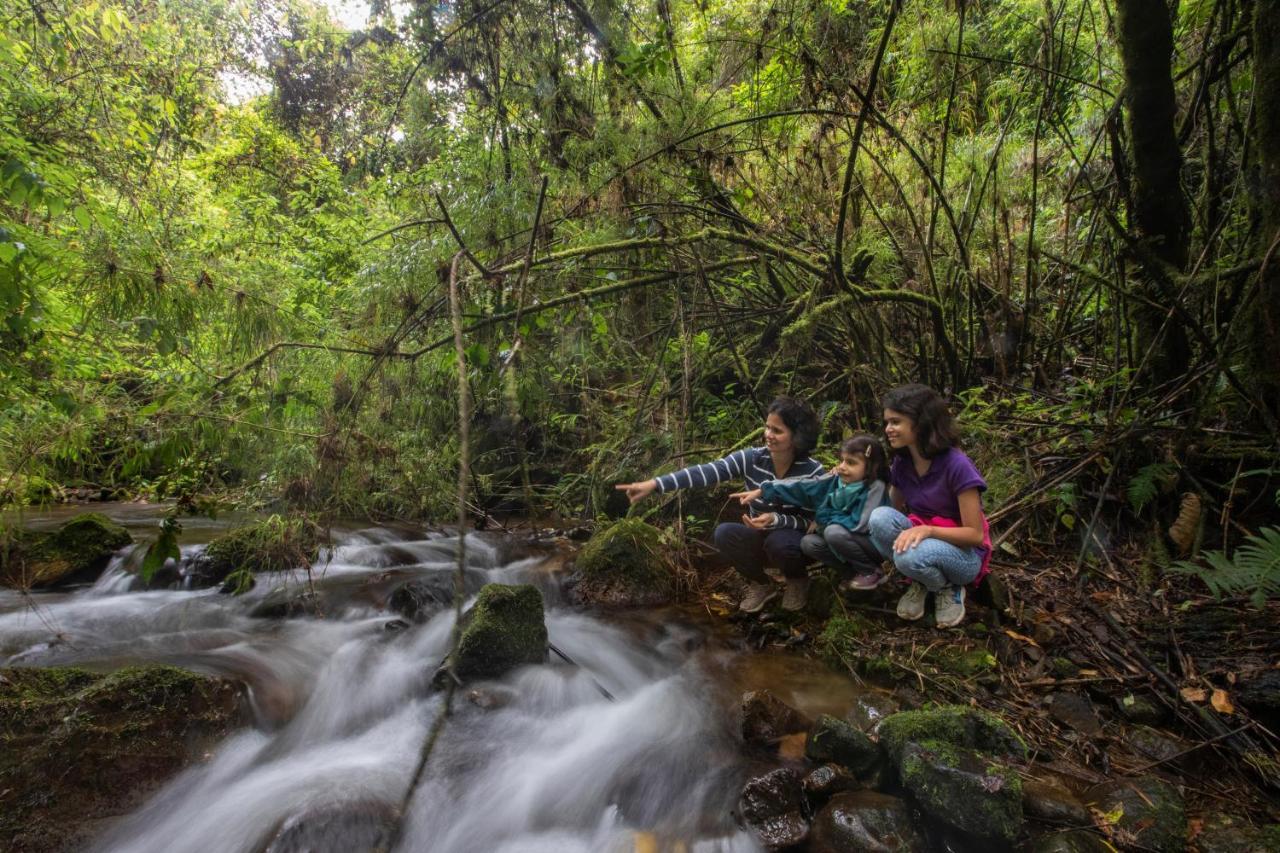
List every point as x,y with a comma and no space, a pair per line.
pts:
851,468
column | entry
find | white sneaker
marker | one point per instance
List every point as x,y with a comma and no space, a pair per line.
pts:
911,605
948,610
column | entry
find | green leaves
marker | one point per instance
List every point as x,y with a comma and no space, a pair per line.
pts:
1253,570
165,547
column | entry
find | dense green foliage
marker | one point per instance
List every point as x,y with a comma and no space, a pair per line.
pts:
226,227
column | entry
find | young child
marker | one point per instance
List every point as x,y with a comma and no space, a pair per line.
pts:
842,502
943,542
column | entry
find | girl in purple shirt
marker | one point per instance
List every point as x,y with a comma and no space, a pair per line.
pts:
935,531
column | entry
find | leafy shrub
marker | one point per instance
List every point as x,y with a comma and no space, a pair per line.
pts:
1253,569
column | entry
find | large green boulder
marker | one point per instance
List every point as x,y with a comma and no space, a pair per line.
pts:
623,565
78,747
77,551
504,629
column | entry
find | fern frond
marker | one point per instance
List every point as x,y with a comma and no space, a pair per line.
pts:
1149,482
1253,569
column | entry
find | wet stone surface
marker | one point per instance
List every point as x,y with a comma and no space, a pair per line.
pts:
866,821
772,805
766,718
1146,810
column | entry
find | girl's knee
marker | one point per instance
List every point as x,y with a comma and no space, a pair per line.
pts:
885,519
813,546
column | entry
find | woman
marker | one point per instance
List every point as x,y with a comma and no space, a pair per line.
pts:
769,533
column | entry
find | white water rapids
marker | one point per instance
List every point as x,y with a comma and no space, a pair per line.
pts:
343,706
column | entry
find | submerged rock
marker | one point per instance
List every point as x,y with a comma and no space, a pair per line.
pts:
865,822
77,747
1051,802
870,708
772,805
341,827
964,789
1145,811
77,551
623,566
834,740
504,629
422,597
766,718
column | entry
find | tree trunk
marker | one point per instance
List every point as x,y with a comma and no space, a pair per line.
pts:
1264,325
1159,214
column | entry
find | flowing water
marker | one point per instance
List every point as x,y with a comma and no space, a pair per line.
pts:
635,740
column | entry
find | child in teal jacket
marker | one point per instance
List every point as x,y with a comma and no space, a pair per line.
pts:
842,502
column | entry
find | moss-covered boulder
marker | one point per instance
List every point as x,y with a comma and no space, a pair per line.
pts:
839,742
623,565
76,552
77,747
963,788
274,544
504,629
954,724
1146,812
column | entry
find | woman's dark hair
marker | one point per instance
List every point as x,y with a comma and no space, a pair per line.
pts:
870,449
800,419
935,432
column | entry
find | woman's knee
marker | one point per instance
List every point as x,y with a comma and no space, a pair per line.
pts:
728,534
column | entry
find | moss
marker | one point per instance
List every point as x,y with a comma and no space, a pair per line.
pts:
504,629
274,544
954,724
1064,668
76,551
966,663
838,643
878,666
624,564
964,789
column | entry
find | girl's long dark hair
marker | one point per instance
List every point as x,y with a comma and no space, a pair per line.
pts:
935,431
801,420
870,449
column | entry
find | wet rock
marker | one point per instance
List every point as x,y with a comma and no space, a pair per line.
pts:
772,805
274,544
1075,712
1229,834
955,724
504,629
76,552
1141,708
964,789
865,822
421,598
1051,802
766,718
1155,745
1145,811
348,826
1260,693
288,604
870,708
828,780
123,733
1075,841
834,740
622,565
395,626
490,698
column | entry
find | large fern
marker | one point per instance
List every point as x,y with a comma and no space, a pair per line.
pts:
1150,481
1253,569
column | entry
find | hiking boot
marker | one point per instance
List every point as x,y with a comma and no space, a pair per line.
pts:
797,592
863,582
758,595
911,605
949,607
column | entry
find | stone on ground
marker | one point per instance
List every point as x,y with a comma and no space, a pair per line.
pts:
622,565
1144,811
504,629
766,718
836,741
964,789
772,805
865,822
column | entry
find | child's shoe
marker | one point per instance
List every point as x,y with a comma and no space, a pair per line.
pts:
796,594
758,595
949,607
911,605
863,581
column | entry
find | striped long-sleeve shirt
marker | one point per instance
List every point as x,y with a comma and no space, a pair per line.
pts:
755,467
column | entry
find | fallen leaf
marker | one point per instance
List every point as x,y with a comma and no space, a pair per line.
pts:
1221,703
1023,637
1194,694
646,842
791,747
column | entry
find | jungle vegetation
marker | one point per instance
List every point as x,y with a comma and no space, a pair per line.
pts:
227,229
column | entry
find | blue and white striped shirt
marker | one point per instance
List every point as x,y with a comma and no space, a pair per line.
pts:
755,466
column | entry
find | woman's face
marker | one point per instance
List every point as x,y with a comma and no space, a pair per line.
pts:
899,429
777,435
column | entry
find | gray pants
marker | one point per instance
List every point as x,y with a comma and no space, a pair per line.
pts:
847,552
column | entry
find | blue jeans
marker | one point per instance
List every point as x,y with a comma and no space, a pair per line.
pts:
749,550
847,552
934,563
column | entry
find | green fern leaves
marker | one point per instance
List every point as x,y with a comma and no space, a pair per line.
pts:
1253,569
1150,481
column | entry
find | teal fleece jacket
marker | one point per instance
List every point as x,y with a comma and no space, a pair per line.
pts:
832,501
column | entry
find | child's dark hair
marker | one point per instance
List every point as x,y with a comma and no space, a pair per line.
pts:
800,419
870,449
935,431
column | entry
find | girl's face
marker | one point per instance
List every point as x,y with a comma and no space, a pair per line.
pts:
777,435
899,429
851,469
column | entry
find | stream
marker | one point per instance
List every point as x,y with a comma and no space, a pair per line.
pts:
634,745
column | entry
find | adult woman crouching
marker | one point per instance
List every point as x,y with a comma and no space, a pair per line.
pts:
769,533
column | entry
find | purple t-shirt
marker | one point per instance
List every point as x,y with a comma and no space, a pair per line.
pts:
934,494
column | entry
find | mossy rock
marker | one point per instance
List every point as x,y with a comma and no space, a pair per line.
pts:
505,629
78,747
838,644
623,565
77,551
958,725
1145,811
964,789
1223,833
274,544
965,663
834,740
